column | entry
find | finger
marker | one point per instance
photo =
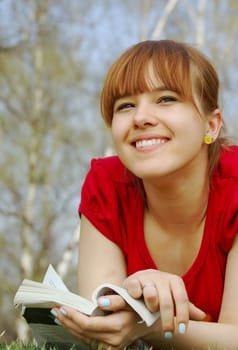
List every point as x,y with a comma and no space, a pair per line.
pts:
166,305
196,314
85,325
106,330
151,297
181,303
75,329
112,303
75,322
133,287
109,329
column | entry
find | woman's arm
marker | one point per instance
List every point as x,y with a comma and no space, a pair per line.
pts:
121,328
100,260
208,335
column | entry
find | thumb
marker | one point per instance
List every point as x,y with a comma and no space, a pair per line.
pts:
196,314
112,303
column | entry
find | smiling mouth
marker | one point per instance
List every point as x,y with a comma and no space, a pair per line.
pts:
149,143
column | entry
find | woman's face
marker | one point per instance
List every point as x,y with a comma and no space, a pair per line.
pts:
157,134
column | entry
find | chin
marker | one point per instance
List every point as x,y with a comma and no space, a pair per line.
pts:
145,174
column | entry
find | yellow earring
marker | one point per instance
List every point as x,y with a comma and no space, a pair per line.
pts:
208,139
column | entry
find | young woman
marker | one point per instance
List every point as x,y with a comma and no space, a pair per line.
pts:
161,218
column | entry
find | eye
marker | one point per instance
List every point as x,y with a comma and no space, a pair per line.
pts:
124,106
166,99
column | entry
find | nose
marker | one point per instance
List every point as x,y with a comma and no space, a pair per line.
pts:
144,117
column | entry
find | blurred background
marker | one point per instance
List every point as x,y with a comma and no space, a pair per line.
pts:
54,55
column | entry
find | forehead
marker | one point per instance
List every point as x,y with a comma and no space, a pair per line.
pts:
149,75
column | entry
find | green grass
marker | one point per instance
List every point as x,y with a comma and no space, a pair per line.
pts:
31,347
21,346
18,346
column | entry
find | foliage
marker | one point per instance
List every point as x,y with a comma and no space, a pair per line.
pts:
21,346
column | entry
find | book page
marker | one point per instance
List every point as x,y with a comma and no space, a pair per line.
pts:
39,294
52,279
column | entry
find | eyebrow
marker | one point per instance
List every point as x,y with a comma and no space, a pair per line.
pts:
161,88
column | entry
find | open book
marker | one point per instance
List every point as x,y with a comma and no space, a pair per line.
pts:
37,299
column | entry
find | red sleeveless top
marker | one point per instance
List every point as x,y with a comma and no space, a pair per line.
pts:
112,203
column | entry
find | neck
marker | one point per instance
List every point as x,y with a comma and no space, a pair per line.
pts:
179,204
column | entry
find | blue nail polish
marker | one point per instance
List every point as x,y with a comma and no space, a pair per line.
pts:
54,313
182,328
168,335
57,322
63,312
104,302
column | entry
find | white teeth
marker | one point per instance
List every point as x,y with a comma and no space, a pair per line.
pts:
148,143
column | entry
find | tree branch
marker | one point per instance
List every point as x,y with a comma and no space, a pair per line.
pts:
163,19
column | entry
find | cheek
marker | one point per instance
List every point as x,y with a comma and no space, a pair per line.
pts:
115,131
192,126
193,135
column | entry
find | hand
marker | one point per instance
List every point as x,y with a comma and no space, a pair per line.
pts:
115,331
166,293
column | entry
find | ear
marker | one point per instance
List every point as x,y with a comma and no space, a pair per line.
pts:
214,124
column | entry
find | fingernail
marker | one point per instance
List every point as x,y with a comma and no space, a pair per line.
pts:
53,312
168,335
57,322
63,312
182,328
207,318
104,302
